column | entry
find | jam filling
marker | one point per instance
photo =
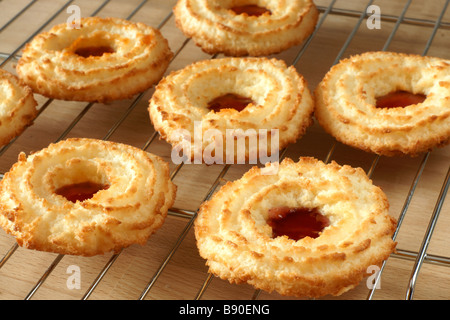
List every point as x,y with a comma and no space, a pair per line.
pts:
399,99
80,191
87,52
296,223
229,101
250,10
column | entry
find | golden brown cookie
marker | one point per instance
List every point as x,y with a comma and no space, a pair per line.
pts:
105,59
387,103
259,99
17,107
85,197
311,230
240,28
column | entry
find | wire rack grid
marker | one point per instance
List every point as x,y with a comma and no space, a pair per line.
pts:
168,266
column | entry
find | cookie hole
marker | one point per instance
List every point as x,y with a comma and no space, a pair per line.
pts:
78,179
229,101
251,10
95,45
398,99
93,51
297,223
80,191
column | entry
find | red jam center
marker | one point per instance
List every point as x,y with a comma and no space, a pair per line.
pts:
296,223
80,191
250,10
399,99
87,52
229,101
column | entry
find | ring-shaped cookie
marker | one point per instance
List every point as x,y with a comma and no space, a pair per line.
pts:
352,103
17,106
85,197
239,233
222,27
278,103
104,59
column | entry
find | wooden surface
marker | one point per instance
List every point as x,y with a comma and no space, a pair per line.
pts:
184,273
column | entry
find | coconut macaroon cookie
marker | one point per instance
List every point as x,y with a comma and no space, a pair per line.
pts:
208,102
17,106
310,230
104,59
387,103
251,27
85,197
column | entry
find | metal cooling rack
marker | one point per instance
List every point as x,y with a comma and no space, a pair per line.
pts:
419,258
